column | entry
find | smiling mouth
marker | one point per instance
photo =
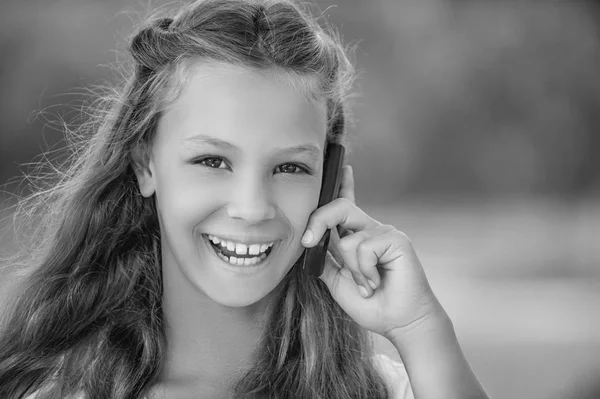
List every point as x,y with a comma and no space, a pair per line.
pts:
236,259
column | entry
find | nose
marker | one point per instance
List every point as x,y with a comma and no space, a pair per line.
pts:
250,200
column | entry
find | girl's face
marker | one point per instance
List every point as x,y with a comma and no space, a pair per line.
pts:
236,165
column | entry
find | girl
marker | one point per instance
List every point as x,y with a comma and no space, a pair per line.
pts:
168,258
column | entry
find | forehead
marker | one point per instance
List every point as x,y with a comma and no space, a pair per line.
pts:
243,105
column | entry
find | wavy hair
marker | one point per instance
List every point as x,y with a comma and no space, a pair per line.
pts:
88,316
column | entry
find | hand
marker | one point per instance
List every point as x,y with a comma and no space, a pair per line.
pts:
399,295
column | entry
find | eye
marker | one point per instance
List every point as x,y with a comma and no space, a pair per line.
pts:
292,168
211,162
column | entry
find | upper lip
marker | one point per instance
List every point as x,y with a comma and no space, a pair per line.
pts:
244,239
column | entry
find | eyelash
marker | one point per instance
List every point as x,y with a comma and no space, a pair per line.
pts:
303,169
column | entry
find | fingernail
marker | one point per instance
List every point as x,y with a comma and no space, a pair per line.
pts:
363,291
372,284
307,237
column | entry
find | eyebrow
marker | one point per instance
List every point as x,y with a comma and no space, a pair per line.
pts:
310,149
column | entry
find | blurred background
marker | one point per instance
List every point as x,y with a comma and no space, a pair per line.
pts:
475,132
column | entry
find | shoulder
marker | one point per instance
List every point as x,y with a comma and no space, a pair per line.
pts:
394,373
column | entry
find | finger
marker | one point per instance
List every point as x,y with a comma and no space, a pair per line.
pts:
334,239
347,184
340,212
366,275
337,277
382,249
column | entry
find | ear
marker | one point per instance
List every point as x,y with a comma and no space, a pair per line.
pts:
143,167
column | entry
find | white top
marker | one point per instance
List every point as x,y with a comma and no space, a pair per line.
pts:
395,375
393,372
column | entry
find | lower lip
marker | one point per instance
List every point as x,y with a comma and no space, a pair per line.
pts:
240,269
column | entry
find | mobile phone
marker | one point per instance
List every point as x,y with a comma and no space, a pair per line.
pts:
314,258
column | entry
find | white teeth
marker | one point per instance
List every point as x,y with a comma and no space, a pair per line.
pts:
241,249
243,261
249,261
238,248
254,249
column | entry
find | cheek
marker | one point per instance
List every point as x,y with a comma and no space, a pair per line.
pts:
298,204
182,201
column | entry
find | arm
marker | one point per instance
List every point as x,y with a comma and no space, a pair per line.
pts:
434,361
382,286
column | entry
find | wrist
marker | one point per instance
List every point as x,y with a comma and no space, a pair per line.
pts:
432,323
434,361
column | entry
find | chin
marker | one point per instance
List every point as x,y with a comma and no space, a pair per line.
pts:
247,294
240,300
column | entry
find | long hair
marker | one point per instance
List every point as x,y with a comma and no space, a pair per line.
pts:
88,316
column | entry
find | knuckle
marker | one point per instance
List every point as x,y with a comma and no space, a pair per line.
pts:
365,269
362,247
403,242
386,228
355,240
346,243
402,236
343,202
